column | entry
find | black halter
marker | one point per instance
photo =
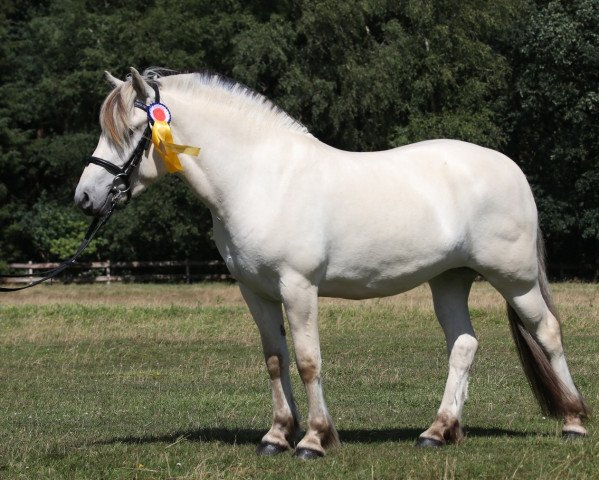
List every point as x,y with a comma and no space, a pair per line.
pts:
121,185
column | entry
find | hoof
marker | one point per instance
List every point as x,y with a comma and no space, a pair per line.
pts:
425,442
571,435
267,449
307,453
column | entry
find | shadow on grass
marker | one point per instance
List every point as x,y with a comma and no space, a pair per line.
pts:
247,436
224,435
411,434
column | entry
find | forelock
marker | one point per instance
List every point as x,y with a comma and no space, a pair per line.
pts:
115,114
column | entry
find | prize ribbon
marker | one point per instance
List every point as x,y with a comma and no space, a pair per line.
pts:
162,138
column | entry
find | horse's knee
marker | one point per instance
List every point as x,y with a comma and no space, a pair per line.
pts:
463,351
274,365
309,369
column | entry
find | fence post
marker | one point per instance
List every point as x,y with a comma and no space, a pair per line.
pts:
108,272
30,270
187,275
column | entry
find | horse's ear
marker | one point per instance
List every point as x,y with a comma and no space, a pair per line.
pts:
142,88
115,82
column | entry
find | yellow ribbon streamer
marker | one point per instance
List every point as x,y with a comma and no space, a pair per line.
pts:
162,138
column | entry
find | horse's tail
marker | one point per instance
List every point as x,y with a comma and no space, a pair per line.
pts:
554,398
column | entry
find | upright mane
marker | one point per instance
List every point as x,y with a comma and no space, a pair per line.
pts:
224,91
209,87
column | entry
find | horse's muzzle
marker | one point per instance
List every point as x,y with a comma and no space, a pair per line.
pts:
84,200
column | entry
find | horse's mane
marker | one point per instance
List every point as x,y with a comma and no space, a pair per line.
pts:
210,87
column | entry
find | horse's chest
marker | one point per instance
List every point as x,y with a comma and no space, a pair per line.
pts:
253,272
246,262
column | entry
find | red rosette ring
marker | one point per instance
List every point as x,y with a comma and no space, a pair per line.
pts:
158,112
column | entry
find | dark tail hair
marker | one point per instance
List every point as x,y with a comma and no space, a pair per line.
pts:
553,397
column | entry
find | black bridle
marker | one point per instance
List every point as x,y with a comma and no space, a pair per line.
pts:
121,186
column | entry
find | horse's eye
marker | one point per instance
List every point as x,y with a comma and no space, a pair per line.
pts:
130,132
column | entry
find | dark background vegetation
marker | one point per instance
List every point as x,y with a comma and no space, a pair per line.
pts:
518,76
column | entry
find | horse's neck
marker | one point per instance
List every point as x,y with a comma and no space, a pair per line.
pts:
238,153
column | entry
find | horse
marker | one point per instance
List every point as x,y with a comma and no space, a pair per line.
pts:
295,219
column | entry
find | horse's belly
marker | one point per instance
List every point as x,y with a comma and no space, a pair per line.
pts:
382,276
395,251
357,289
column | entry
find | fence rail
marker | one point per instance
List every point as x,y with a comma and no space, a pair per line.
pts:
187,271
138,271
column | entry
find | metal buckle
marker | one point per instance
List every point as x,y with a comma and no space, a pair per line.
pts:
121,190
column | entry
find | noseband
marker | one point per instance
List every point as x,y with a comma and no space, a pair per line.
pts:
121,184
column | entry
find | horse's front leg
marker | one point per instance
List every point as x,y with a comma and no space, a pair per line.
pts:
269,318
300,299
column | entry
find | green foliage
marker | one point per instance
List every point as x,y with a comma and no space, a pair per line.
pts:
516,76
556,137
55,231
166,223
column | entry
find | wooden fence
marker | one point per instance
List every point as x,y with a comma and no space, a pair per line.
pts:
187,271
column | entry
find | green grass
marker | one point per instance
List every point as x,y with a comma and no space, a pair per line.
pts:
95,385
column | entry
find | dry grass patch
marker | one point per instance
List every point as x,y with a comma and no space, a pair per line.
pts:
214,294
139,295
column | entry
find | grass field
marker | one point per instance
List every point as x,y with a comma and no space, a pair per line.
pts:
167,381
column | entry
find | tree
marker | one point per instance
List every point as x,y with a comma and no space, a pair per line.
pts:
556,136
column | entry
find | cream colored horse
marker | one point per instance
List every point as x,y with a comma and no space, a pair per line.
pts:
295,219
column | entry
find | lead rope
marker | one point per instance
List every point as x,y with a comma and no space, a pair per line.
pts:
96,224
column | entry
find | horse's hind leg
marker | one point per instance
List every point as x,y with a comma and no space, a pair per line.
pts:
450,297
538,338
269,318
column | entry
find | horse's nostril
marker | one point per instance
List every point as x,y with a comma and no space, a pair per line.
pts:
83,201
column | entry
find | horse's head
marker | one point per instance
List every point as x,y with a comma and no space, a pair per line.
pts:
124,162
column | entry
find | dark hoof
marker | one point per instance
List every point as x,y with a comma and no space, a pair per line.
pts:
267,449
572,435
425,442
307,453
